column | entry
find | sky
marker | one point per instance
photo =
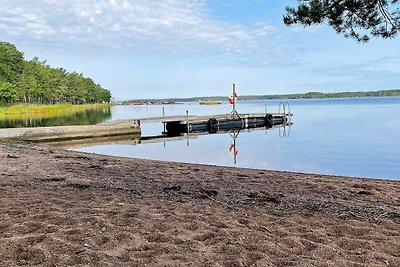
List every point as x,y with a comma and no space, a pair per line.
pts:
184,48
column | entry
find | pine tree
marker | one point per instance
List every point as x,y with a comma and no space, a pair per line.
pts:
358,19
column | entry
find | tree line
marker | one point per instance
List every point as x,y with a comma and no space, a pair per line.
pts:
315,95
309,95
34,81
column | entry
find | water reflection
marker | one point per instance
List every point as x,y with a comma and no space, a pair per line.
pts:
195,150
351,137
98,141
87,117
284,131
234,134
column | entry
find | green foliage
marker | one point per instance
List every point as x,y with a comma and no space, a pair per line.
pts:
11,62
8,94
35,81
358,19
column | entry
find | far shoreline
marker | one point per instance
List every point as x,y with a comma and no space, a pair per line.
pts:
298,96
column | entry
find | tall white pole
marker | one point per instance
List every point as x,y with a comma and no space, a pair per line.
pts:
234,107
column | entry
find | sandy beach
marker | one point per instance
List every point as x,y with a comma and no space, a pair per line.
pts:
64,208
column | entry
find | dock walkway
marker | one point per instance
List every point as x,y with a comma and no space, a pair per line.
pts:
56,133
194,118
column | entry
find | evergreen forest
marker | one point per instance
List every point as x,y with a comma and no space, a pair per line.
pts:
36,82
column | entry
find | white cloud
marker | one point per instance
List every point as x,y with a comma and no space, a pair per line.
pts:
171,27
387,65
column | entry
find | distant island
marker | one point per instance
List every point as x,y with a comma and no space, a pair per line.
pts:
209,102
35,82
309,95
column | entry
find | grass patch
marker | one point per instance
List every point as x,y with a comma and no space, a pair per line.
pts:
22,111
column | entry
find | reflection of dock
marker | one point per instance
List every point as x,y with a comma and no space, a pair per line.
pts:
97,141
119,140
137,139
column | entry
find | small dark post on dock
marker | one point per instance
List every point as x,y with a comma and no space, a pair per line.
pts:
163,114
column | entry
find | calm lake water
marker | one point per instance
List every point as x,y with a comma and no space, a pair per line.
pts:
91,116
352,137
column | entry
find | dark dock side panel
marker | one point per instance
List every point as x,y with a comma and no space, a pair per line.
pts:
214,123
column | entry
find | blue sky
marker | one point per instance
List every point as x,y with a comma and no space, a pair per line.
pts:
177,48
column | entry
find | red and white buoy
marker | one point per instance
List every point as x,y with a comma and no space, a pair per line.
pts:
232,98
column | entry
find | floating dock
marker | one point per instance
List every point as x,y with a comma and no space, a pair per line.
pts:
173,126
215,123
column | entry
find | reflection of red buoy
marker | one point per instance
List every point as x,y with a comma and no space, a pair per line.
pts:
230,98
233,150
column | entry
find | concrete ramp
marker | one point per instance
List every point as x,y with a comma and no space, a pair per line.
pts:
58,133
